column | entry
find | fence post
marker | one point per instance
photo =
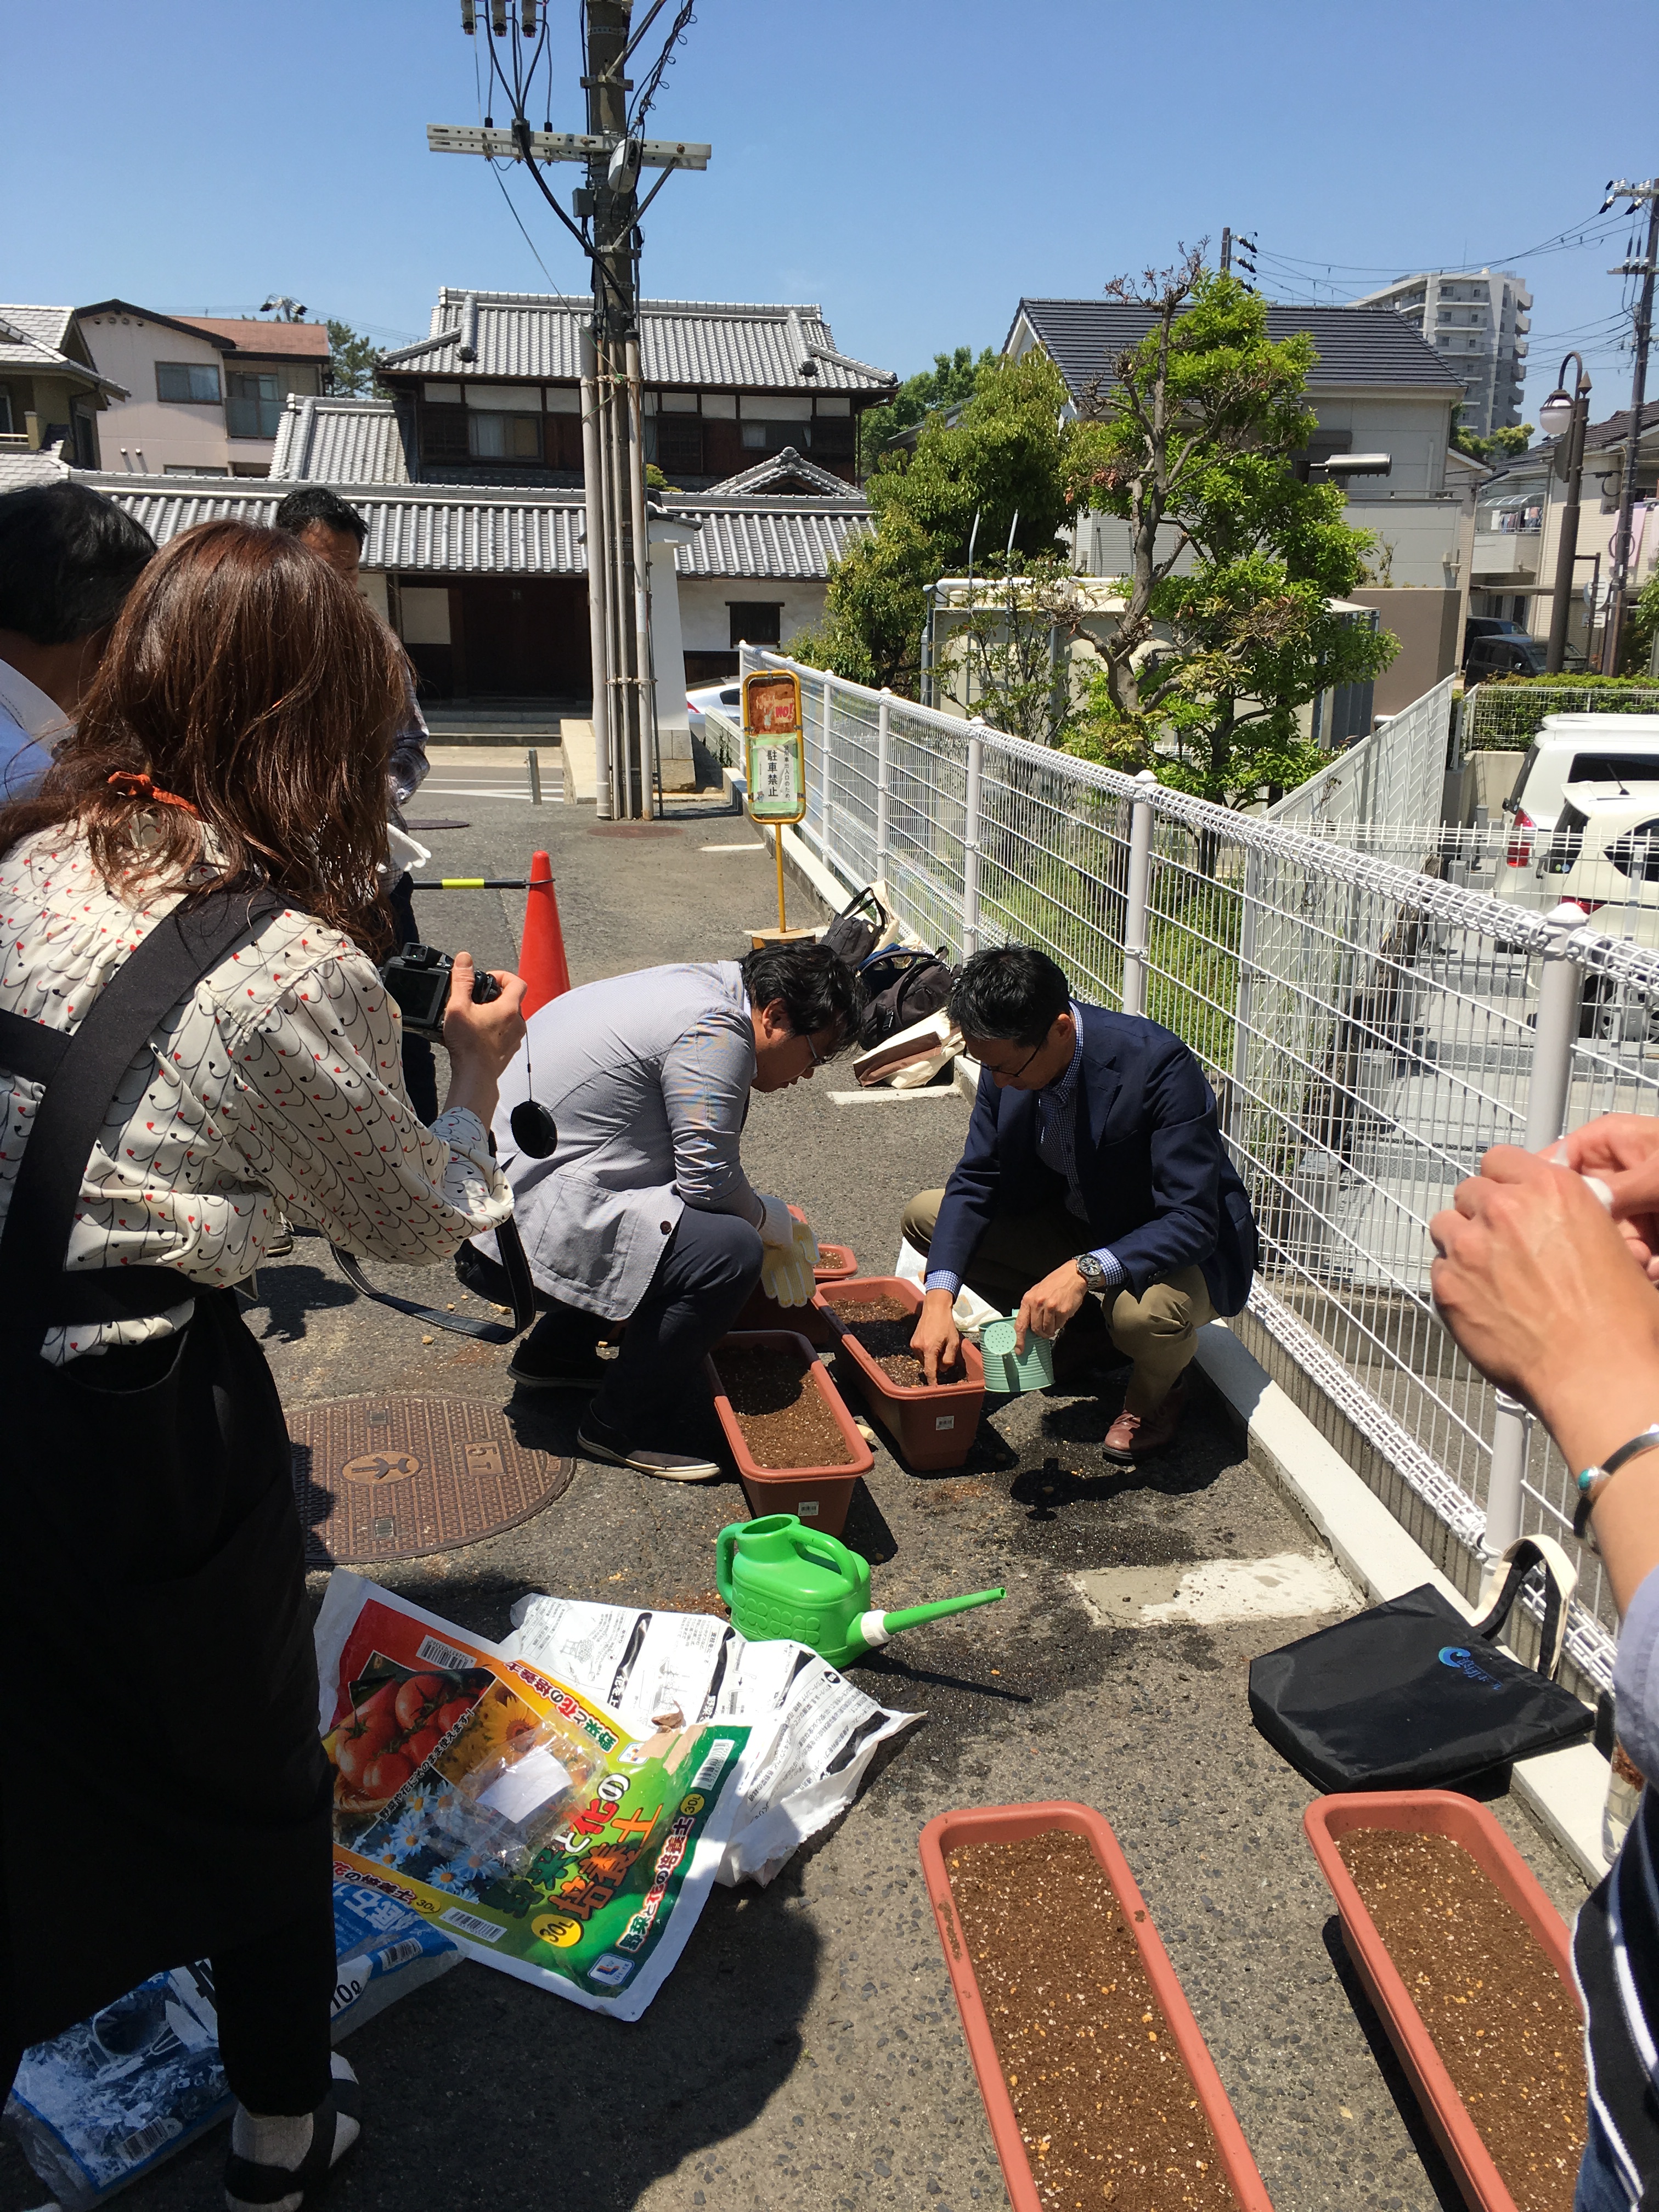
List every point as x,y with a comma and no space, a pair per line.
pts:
971,839
534,760
1134,916
1560,984
883,770
1244,1004
824,770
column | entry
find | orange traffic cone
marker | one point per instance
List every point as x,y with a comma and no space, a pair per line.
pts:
541,957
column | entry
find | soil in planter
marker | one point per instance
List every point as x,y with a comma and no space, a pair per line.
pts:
1505,2026
832,1260
884,1327
1107,2110
785,1422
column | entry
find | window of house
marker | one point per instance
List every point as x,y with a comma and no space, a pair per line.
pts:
492,437
755,622
253,406
443,433
679,444
834,438
183,380
5,412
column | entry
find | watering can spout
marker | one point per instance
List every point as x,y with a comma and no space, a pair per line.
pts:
875,1629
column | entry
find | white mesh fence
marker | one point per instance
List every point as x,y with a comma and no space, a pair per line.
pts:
1395,775
1500,717
1369,1020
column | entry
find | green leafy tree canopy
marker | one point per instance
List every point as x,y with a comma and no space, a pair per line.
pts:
949,380
351,362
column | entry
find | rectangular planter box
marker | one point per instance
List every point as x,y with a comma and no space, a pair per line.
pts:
1009,1824
1432,1812
932,1426
836,1265
818,1495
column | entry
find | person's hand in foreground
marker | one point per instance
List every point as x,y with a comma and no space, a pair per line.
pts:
937,1341
1621,1150
480,1040
1542,1292
1048,1305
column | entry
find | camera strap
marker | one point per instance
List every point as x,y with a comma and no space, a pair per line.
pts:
509,1246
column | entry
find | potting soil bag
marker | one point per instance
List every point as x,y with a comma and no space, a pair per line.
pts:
494,1799
1410,1695
813,1733
119,2094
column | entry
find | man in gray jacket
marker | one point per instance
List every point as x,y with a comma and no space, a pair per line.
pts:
643,1213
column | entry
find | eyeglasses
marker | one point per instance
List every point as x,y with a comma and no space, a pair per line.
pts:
1013,1074
818,1058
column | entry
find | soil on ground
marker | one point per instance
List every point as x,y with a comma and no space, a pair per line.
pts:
884,1327
1106,2108
784,1421
1506,2026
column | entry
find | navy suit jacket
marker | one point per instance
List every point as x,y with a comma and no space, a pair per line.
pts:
1155,1175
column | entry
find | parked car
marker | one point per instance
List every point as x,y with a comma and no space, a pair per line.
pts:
1477,628
1505,656
1607,759
728,698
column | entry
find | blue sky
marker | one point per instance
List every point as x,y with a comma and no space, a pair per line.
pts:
914,165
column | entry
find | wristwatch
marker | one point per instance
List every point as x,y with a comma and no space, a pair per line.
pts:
1093,1274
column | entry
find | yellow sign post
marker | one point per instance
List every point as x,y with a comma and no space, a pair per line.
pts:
774,756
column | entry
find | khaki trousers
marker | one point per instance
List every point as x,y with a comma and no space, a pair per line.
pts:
1159,1330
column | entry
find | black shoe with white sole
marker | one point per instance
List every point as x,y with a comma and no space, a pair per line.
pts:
554,1358
596,1440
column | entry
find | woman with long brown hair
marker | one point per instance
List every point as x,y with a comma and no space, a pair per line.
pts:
193,1043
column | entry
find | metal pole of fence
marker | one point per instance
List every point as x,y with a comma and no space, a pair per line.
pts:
534,760
970,839
1244,1007
1560,984
884,769
1134,917
824,772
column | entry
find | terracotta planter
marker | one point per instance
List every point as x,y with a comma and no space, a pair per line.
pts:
836,1264
932,1426
1008,1824
1433,1813
818,1495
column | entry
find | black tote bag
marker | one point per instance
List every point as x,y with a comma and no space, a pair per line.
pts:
1410,1695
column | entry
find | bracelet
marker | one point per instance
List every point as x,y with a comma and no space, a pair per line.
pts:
1590,1476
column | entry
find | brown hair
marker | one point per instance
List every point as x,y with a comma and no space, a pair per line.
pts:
247,678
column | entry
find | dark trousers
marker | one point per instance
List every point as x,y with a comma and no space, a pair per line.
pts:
709,1268
420,1069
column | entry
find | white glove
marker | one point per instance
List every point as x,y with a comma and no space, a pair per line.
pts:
778,1225
787,1266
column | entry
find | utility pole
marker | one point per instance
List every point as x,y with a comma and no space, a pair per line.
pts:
1618,577
1234,247
1567,412
612,394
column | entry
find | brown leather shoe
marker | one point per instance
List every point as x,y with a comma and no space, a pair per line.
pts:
1133,1436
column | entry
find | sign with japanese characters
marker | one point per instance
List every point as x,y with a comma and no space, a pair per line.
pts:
775,745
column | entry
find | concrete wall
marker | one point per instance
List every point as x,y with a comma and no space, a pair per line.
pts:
1428,624
706,621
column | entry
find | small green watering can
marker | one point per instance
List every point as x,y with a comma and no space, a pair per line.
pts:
781,1579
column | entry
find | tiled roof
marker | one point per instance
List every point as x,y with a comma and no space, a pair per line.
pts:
461,531
245,335
1357,346
33,337
779,469
18,470
691,342
339,441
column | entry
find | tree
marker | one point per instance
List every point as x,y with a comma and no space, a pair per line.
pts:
1000,463
1010,648
1190,443
949,380
1509,438
351,362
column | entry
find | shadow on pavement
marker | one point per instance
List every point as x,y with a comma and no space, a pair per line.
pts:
1438,2173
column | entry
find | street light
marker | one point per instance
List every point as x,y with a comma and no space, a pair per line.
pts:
1567,412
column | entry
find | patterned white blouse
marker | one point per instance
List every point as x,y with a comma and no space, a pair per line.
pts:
276,1088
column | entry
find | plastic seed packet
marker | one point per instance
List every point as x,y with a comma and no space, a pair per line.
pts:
108,2100
520,1817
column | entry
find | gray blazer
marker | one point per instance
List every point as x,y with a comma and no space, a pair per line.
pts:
648,1077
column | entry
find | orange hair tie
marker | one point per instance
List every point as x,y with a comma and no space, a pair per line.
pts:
134,786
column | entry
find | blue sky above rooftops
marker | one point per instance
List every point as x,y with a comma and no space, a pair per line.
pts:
914,165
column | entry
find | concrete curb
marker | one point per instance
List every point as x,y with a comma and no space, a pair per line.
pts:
1564,1790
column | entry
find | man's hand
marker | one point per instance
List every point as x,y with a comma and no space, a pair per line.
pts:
1622,1152
480,1040
1048,1305
937,1341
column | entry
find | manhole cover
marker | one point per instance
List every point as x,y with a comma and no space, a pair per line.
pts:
633,829
392,1478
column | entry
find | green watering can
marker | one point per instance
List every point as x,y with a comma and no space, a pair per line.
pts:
781,1579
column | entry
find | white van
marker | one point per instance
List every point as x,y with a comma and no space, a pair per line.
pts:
1610,759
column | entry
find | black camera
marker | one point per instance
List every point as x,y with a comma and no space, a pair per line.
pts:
418,979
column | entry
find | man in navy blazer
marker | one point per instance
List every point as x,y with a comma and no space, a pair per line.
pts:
1094,1167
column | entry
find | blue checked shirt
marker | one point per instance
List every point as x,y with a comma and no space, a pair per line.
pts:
1056,1149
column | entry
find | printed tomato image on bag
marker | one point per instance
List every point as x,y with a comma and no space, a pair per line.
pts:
511,1810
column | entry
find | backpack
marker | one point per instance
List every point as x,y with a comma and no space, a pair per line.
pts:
903,986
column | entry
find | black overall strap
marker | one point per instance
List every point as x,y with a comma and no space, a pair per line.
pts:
83,1070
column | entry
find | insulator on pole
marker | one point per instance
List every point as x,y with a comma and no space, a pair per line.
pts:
469,16
498,17
527,18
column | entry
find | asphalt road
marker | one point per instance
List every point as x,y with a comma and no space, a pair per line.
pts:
807,2052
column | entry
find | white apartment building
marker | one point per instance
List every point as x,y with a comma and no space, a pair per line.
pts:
1477,319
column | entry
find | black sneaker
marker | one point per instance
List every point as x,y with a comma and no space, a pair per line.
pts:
549,1359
